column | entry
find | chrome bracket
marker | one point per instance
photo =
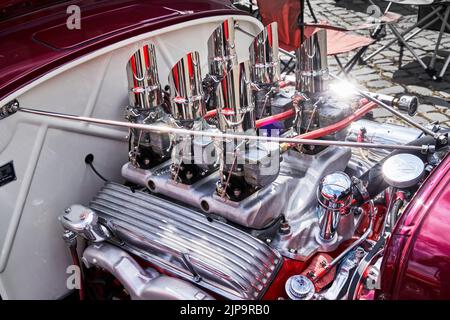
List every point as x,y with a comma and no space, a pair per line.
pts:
9,109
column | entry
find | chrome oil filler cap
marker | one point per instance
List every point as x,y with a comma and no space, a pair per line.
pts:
334,196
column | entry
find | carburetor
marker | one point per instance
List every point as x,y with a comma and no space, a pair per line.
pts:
314,106
245,166
192,157
146,106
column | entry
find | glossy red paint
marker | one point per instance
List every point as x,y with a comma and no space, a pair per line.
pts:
36,42
277,288
416,264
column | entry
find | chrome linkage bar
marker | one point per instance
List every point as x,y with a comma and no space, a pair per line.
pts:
179,131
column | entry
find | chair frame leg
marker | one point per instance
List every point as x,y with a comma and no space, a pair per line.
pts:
410,49
352,62
341,66
286,65
400,56
403,34
441,33
444,68
313,16
447,61
356,58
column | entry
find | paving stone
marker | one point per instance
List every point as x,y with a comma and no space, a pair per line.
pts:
426,108
368,77
390,54
444,94
388,67
363,71
387,74
392,90
378,84
437,116
419,90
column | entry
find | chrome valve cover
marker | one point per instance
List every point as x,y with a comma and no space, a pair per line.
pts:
214,255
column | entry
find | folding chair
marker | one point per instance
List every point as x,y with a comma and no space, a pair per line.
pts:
437,12
291,28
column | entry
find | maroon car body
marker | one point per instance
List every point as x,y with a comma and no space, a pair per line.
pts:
37,40
416,264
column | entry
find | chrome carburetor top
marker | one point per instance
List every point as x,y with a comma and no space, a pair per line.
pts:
186,94
264,56
312,64
222,50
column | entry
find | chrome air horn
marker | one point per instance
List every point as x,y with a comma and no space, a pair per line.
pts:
145,107
186,94
312,65
221,58
235,105
264,56
265,68
221,49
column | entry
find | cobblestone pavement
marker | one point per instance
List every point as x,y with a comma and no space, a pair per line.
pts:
382,73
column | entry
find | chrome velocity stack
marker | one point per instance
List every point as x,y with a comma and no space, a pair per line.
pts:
316,107
192,157
186,93
222,50
146,107
265,69
264,56
235,105
143,81
222,57
312,64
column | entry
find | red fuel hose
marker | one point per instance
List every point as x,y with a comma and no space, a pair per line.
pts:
278,117
335,127
319,133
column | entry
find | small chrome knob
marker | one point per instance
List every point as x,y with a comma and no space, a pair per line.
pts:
299,287
407,104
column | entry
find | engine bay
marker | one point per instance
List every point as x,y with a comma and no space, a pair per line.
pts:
248,183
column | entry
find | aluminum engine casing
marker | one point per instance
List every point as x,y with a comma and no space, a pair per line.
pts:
229,262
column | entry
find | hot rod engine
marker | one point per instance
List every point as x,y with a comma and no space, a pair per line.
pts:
215,207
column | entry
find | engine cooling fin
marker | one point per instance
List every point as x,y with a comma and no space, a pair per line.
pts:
214,255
